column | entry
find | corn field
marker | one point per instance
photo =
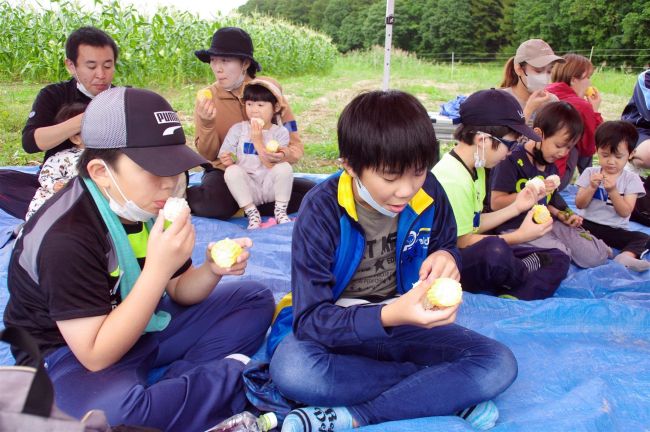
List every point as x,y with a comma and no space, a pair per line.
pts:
156,48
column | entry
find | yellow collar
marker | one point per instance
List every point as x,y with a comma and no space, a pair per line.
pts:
420,201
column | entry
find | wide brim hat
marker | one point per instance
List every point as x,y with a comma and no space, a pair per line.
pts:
271,86
143,126
495,108
229,42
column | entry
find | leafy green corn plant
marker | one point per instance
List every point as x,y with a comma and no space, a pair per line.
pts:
157,48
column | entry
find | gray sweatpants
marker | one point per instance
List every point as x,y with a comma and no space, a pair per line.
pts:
274,186
584,248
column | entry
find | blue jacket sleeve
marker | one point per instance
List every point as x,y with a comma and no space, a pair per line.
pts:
316,317
443,229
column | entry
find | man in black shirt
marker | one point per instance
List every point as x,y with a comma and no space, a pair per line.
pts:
90,58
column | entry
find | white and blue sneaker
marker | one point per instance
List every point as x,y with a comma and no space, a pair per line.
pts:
482,416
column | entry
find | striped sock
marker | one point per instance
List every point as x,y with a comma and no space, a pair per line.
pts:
482,416
315,419
532,262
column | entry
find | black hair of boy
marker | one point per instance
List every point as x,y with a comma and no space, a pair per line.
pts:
68,111
388,131
466,133
109,156
555,116
259,93
611,133
91,36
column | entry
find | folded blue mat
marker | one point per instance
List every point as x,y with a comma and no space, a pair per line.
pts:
584,355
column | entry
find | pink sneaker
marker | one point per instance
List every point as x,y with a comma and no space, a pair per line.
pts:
269,223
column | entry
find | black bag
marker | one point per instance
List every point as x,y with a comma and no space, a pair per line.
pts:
641,212
27,395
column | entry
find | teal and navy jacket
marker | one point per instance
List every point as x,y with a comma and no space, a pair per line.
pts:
327,247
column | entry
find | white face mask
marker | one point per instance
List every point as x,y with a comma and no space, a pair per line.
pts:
237,83
365,195
129,210
80,86
537,81
479,158
83,90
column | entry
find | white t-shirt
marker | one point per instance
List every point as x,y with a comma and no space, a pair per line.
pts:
600,209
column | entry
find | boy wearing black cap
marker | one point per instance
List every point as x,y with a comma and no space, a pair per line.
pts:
491,122
88,272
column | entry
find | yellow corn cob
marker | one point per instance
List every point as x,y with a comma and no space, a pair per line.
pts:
272,146
555,179
171,210
204,94
225,252
444,292
258,120
590,91
541,214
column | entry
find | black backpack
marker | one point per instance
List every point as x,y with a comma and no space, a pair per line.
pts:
641,212
27,396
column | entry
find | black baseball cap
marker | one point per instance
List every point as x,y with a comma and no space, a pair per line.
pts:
143,125
495,108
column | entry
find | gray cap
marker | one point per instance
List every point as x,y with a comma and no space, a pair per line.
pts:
143,125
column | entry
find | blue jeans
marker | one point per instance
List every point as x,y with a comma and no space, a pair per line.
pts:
199,387
412,373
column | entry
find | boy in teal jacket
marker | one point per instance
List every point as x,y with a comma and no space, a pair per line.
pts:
364,350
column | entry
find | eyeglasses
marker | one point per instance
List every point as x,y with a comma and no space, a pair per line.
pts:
508,143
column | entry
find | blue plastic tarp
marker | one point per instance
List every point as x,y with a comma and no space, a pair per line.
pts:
584,355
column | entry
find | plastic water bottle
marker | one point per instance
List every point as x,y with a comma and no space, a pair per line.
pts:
247,422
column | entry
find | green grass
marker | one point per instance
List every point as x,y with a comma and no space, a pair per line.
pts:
15,103
317,99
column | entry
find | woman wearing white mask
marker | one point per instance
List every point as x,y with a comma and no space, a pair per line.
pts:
220,106
527,73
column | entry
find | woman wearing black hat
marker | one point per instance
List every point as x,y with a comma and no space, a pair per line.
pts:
220,106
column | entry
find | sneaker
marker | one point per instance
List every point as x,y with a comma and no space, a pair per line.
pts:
482,416
269,223
239,357
318,419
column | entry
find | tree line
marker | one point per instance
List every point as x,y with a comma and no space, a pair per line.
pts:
618,30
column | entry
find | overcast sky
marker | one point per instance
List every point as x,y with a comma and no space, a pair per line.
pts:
205,8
